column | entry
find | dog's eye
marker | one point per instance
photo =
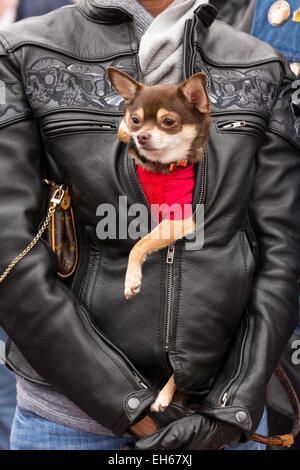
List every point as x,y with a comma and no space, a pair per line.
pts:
135,120
168,122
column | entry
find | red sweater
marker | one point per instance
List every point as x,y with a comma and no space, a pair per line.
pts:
172,188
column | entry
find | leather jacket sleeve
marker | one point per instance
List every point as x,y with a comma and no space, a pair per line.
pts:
239,393
39,313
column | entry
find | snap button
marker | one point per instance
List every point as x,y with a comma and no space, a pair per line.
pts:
241,416
133,403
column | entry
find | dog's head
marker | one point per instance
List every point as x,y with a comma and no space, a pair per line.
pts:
167,123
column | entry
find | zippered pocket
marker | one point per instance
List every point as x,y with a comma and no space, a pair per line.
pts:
55,128
225,394
240,126
136,376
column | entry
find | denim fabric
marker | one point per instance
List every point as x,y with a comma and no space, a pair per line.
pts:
7,401
30,432
286,37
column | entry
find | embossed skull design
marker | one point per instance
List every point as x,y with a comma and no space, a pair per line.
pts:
254,89
74,85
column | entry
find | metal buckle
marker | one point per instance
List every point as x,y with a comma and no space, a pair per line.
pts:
58,195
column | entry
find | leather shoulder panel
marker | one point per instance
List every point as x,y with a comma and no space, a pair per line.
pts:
285,120
69,31
223,45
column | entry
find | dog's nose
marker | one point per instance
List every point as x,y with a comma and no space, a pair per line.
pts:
144,137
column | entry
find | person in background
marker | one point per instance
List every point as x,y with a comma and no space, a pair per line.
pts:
11,11
275,22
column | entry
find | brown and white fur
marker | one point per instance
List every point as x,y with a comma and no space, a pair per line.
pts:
162,124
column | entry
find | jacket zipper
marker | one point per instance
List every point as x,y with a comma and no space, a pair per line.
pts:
188,56
189,48
225,393
231,125
52,129
170,263
140,186
171,256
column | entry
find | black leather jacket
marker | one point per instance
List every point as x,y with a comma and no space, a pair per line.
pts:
228,309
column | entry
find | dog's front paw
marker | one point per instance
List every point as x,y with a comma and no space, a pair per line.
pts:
161,403
133,280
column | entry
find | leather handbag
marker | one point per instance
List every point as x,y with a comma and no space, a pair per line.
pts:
58,230
61,233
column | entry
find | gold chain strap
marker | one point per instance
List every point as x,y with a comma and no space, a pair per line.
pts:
55,201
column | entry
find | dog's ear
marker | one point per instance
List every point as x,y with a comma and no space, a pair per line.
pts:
125,85
194,90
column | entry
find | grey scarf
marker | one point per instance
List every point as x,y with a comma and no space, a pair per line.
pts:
161,38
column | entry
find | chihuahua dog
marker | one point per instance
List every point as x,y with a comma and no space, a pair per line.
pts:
163,125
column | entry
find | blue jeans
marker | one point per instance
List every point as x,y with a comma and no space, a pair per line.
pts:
7,401
30,432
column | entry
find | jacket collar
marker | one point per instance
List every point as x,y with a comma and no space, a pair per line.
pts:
105,15
113,15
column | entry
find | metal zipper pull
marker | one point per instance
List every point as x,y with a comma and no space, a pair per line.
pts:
233,125
170,254
142,384
224,400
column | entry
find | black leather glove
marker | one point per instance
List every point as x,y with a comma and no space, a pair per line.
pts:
195,432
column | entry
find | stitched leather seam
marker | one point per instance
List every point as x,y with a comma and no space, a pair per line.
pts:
106,7
9,122
237,64
23,374
84,256
130,31
4,40
176,314
96,270
69,53
245,277
284,135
